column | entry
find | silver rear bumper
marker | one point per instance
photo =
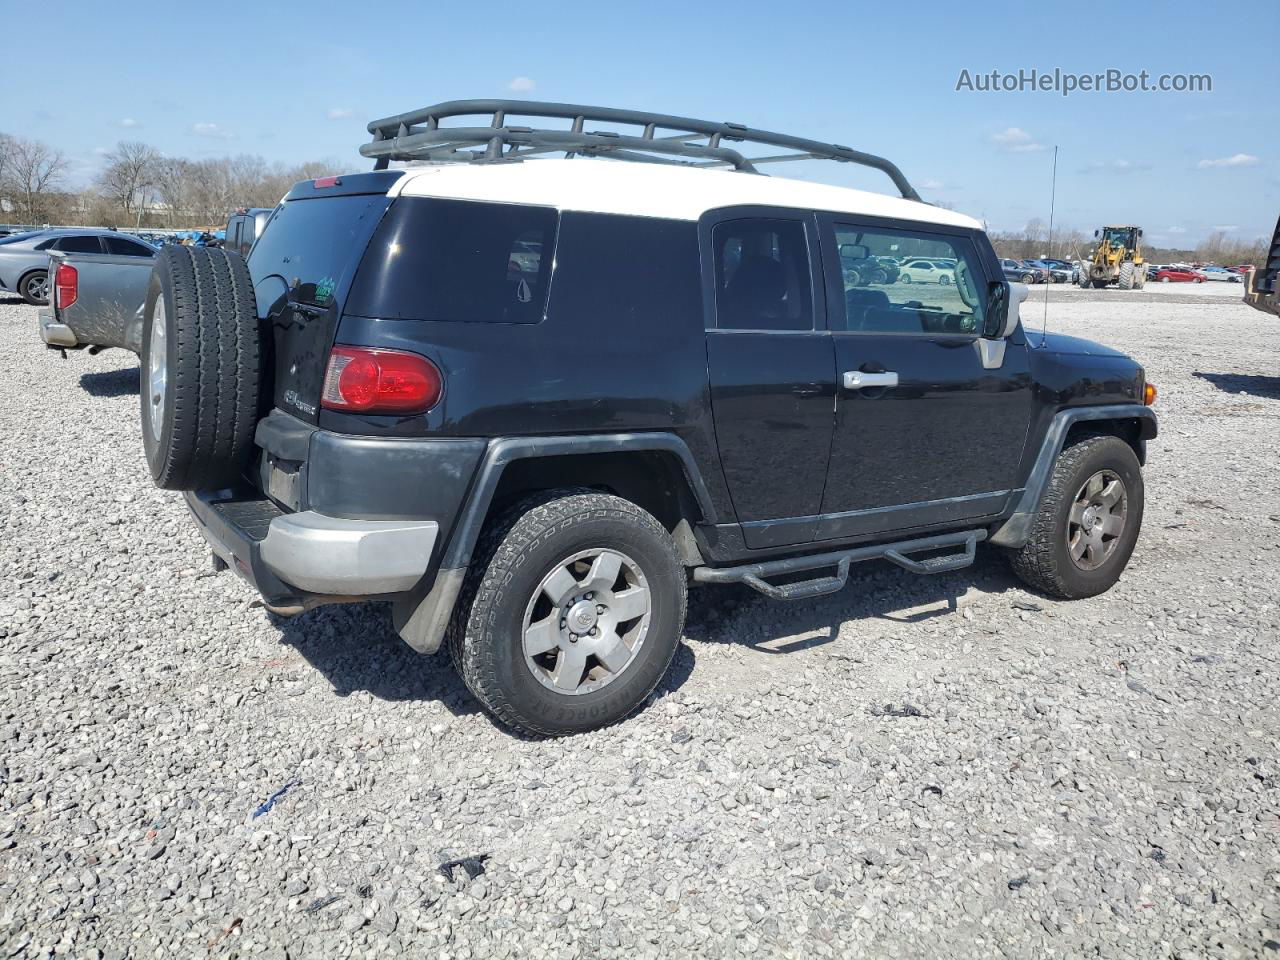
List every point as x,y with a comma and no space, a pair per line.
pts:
56,334
323,554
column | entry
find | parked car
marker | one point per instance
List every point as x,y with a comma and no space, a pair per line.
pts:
532,469
1175,275
1018,271
1057,273
1221,274
24,258
98,296
861,269
917,270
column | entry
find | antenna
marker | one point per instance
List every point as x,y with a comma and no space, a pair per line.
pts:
1053,196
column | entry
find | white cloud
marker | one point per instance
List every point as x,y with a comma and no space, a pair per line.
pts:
339,113
1235,160
211,130
100,151
1227,228
521,84
1176,230
933,185
1016,140
129,123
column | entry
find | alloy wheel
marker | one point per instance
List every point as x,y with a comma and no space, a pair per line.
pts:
586,621
157,368
1096,520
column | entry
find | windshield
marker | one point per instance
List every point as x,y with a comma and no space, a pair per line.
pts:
1117,237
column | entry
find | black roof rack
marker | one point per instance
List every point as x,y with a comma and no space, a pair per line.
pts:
418,135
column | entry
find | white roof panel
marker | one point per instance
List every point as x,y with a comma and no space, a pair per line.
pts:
652,190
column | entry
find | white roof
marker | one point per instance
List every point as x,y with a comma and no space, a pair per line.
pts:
651,190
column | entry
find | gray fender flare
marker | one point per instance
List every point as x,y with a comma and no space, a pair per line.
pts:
421,616
1014,531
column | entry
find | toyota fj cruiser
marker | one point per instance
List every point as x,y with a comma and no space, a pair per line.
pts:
529,399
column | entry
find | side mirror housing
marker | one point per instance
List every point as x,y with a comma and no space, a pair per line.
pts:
1002,318
1002,309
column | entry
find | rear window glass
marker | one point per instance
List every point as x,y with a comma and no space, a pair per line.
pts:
457,260
19,237
313,245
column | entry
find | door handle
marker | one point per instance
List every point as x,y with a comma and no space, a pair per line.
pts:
860,379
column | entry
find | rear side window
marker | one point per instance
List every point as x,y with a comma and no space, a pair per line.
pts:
312,247
457,260
127,248
763,280
79,245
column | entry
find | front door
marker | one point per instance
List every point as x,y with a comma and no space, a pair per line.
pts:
771,370
925,434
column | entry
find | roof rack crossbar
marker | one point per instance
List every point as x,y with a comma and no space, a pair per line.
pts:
418,135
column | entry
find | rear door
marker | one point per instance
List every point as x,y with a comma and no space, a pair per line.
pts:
924,433
771,367
302,269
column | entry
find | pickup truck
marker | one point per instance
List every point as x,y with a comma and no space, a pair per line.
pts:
96,299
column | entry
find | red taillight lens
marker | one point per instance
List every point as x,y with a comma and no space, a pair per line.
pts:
364,380
66,283
321,182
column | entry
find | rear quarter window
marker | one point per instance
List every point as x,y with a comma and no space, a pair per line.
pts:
457,260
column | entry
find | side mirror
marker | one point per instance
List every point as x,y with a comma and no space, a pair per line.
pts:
1002,309
1095,234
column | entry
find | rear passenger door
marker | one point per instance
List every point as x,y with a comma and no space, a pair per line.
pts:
771,368
924,434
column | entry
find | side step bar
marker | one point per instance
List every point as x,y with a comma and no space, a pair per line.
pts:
754,574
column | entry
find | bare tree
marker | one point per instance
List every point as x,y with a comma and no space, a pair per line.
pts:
6,161
129,176
35,170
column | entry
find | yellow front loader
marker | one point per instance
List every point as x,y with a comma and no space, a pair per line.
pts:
1116,260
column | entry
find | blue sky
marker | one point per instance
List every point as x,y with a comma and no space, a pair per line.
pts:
295,82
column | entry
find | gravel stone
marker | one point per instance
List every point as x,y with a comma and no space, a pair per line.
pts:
910,765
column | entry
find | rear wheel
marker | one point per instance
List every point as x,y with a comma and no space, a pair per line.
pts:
1088,521
34,288
570,615
200,360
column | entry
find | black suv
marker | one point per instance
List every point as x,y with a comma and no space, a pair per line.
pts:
528,400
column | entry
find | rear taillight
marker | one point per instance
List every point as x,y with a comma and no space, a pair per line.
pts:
321,183
365,380
66,285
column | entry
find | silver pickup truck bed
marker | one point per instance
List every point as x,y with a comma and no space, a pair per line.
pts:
107,311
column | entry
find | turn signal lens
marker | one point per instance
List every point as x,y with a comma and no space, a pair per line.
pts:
365,380
1149,394
66,284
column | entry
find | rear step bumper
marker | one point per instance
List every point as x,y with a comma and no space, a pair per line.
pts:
754,574
282,554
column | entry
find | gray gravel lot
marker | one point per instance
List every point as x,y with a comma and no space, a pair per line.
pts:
915,767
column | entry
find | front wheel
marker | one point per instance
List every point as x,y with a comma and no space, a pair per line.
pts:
34,288
944,280
1088,521
571,613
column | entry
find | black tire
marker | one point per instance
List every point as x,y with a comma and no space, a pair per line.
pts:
1127,276
1028,278
1045,562
31,284
199,434
515,553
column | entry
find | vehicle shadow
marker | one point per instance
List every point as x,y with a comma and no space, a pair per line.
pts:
1258,385
10,299
112,383
737,614
356,649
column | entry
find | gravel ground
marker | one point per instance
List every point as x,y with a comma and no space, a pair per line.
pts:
915,767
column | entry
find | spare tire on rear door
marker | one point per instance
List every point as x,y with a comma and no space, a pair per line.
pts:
201,374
